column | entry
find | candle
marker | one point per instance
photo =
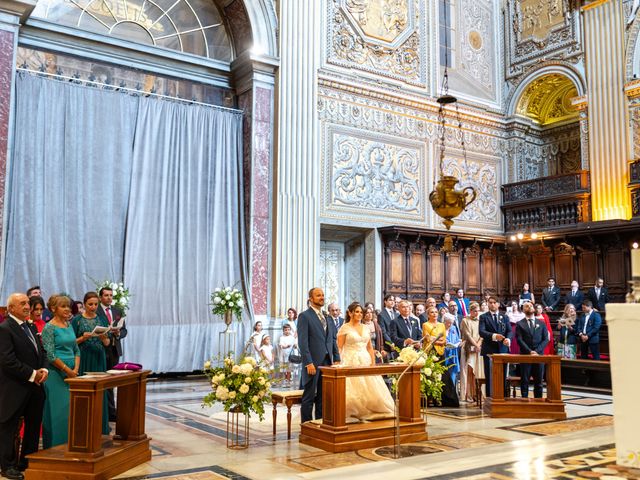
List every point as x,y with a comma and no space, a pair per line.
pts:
635,262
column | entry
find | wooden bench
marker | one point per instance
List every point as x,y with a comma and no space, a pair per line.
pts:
288,399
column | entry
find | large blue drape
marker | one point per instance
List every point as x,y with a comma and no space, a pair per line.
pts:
105,185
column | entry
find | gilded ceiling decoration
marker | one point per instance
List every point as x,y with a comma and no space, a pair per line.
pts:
547,100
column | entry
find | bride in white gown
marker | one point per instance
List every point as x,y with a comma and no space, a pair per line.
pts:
366,397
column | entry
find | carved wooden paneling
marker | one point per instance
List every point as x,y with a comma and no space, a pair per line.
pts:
454,271
520,272
417,271
541,263
615,262
489,271
436,270
503,276
563,265
396,262
588,268
472,271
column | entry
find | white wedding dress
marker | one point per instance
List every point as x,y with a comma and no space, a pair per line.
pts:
366,397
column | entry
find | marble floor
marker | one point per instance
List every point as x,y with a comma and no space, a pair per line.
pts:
189,442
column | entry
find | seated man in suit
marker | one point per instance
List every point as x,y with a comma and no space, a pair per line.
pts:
575,296
22,373
405,330
550,295
587,330
532,336
495,330
599,295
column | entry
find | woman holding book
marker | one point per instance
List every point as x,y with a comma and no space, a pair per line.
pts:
93,356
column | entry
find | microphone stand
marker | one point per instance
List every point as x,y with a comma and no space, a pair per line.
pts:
421,354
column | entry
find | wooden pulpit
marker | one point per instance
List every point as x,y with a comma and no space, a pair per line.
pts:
505,407
88,454
334,434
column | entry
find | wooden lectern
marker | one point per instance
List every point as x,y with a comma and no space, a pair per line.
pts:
334,434
89,455
550,407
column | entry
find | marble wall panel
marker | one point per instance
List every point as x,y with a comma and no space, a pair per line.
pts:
367,174
6,73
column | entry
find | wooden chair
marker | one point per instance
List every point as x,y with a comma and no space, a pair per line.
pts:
288,399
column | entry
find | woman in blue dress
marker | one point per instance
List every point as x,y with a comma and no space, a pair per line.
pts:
93,357
526,295
59,340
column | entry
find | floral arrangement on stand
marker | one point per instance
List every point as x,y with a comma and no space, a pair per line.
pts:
121,295
431,371
227,300
240,387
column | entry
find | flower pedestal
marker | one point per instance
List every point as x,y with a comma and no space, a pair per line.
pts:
237,429
227,338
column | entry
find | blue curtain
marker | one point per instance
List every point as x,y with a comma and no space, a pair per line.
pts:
105,185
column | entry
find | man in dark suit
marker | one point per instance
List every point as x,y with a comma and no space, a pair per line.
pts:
113,316
318,347
22,373
334,313
421,314
495,330
405,330
385,319
532,337
550,295
575,296
599,295
587,330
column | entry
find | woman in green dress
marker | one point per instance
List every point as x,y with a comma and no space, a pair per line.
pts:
93,356
59,340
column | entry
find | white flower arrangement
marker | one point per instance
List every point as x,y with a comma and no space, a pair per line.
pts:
121,295
241,386
430,374
227,299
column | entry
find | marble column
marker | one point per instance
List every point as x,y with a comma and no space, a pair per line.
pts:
608,144
12,14
295,244
254,78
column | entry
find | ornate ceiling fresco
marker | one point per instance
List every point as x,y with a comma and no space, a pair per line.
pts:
547,100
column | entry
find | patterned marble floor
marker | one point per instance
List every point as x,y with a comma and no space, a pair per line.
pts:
189,443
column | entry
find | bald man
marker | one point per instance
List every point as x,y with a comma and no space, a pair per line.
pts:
22,373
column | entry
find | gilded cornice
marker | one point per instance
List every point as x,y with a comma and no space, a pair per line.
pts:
632,89
580,103
594,4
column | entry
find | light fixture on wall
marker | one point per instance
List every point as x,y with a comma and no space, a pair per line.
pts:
521,236
446,201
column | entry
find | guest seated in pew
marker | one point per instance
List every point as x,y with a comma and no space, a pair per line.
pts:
532,335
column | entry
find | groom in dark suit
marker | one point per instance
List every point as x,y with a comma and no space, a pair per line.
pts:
532,336
495,330
318,347
22,373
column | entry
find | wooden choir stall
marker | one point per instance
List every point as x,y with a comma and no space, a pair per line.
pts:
89,454
501,406
334,434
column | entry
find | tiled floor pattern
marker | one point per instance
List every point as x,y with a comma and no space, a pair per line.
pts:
189,443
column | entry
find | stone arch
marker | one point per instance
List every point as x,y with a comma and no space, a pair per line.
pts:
252,23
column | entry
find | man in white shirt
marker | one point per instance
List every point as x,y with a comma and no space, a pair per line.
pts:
587,330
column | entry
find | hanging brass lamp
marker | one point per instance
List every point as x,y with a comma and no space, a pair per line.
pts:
446,201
